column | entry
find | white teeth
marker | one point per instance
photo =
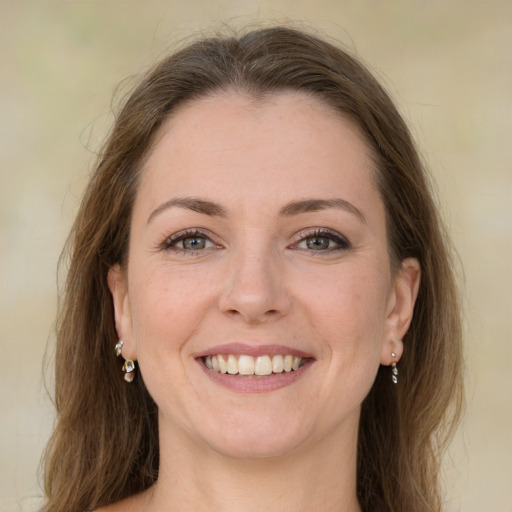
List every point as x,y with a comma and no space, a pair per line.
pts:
223,365
277,364
263,366
232,365
248,365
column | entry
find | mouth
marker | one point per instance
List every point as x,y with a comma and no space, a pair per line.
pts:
247,365
245,368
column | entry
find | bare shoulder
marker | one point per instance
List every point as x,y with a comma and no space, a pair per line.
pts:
135,503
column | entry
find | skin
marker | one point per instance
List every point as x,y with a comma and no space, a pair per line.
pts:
260,277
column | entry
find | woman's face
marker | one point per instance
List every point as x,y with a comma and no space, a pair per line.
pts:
258,233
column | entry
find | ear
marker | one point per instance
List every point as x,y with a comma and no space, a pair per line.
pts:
400,309
118,285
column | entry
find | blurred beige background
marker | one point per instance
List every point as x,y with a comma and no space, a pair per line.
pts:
449,65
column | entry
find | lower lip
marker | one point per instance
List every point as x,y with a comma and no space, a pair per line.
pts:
254,383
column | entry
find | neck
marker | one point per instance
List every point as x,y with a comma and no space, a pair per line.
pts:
321,477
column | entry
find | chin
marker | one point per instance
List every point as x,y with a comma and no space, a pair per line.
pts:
252,448
257,438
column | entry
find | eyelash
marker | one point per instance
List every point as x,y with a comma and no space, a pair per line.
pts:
342,243
170,242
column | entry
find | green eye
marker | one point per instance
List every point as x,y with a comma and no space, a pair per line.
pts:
323,240
193,243
318,243
188,241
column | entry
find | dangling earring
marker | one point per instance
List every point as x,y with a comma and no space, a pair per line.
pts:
129,370
128,366
394,369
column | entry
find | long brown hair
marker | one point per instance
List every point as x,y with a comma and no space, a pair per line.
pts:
105,444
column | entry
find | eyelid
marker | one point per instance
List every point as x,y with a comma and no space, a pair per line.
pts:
171,241
341,240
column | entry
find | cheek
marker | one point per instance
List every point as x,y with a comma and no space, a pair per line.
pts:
167,306
348,309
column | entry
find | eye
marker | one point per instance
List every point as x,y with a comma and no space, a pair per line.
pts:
322,240
194,243
189,241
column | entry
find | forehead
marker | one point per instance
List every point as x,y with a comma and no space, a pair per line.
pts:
222,112
231,141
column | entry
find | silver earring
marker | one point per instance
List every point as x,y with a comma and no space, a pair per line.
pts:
394,369
128,366
119,347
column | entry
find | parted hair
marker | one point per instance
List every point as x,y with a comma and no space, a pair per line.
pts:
105,443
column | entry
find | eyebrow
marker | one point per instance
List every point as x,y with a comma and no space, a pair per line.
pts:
315,205
191,203
212,209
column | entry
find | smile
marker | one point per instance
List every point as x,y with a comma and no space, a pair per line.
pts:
262,365
251,368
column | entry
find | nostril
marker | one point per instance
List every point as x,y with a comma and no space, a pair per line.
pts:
236,312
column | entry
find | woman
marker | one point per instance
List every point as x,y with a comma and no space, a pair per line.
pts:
259,247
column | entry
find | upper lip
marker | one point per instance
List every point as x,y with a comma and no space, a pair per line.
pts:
239,349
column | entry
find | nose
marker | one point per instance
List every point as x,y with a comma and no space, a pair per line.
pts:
254,290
